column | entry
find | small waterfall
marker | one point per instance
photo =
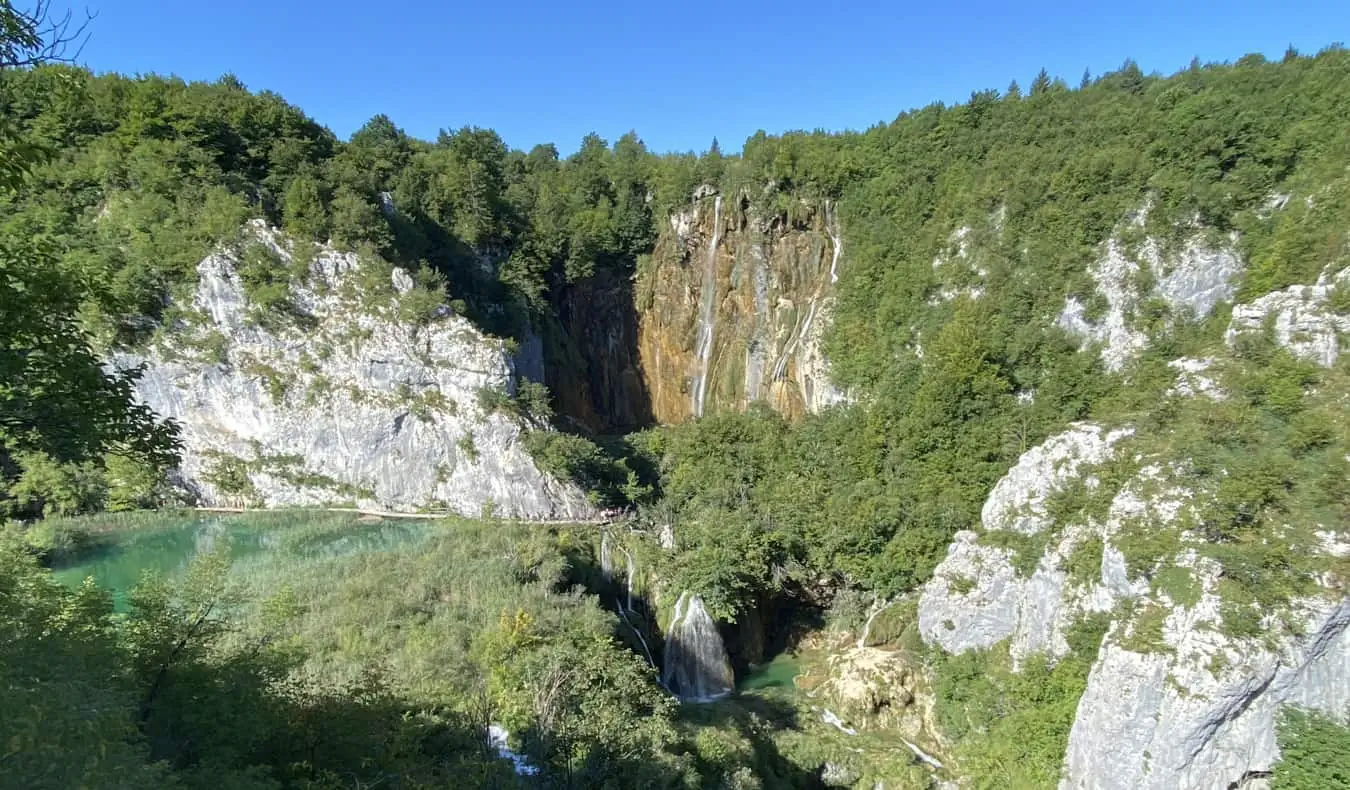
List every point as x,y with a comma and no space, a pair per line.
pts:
497,739
632,573
637,631
927,758
755,355
606,558
697,667
832,228
707,312
878,606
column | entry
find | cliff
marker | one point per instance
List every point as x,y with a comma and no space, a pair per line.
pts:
344,384
733,308
1213,626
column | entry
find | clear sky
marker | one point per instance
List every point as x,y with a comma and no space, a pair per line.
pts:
679,73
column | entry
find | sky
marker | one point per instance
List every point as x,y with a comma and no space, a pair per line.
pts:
679,73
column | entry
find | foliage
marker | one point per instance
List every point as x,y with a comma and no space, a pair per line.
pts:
1013,727
1315,752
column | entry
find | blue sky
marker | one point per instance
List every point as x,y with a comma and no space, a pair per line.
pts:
679,73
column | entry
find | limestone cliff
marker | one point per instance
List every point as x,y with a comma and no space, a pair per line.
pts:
339,394
1178,697
733,308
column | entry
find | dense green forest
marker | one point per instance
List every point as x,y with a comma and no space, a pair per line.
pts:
113,188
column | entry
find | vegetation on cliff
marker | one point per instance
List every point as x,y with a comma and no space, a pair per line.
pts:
967,229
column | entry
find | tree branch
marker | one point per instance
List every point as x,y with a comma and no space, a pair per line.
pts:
36,35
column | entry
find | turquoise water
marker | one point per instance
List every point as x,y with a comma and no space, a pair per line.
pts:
169,548
778,673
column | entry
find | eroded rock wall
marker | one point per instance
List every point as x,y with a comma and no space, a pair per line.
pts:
734,307
344,399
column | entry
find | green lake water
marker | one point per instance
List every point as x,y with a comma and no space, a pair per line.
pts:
168,546
778,673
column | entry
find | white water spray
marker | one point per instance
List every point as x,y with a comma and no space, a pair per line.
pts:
831,228
697,668
707,312
878,606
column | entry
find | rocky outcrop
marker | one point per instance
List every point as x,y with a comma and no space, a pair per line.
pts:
1300,318
339,395
1190,280
1173,700
977,598
734,308
1201,713
593,367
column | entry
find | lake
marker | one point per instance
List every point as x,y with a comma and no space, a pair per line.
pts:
167,544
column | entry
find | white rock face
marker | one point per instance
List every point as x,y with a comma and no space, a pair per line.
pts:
1192,381
1018,500
976,597
1177,720
1200,712
1301,317
359,405
1192,282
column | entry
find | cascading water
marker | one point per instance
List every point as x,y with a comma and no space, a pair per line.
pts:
878,606
623,605
707,312
632,572
606,558
697,668
832,228
755,356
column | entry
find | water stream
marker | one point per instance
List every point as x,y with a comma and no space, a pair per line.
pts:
707,312
697,668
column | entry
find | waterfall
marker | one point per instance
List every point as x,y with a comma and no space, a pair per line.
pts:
922,755
497,739
636,631
697,668
707,312
606,560
755,355
878,606
832,228
632,572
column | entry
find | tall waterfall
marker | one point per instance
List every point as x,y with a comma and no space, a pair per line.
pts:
697,668
707,312
606,558
632,572
832,228
624,605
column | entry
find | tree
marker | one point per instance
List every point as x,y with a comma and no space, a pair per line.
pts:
58,404
1041,84
34,36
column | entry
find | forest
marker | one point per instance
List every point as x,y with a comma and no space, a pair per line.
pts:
112,188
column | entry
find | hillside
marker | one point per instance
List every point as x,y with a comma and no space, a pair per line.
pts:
1021,421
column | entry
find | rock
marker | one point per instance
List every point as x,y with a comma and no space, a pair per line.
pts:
836,775
1170,719
1191,381
1191,282
1302,320
349,404
879,688
1187,706
735,308
1017,501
